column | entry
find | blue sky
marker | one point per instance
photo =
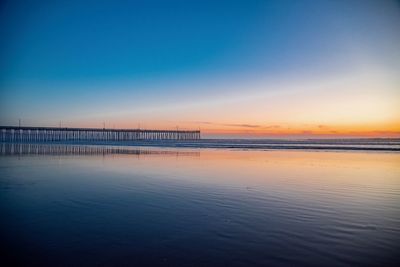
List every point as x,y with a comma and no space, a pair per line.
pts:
84,62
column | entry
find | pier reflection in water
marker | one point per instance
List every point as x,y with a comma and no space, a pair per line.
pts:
60,149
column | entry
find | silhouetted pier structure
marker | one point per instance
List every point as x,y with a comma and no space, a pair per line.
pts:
50,134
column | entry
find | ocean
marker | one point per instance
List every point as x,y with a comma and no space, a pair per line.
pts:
210,203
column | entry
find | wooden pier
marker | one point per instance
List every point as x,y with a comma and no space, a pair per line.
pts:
52,134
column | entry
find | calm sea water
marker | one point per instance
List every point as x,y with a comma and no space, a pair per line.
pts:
101,205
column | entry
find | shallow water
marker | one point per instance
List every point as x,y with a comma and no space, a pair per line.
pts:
98,205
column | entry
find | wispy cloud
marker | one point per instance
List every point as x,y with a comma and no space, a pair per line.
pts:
242,125
272,127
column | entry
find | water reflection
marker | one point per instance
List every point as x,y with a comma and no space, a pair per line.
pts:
66,149
212,208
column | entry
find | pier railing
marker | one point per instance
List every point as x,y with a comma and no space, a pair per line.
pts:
49,134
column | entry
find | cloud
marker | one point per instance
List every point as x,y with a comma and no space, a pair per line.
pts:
203,122
230,124
272,127
243,125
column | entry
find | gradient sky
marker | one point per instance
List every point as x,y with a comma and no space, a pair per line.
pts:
231,68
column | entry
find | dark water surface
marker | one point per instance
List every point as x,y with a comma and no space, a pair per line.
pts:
94,205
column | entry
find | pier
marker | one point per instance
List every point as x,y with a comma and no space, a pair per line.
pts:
54,134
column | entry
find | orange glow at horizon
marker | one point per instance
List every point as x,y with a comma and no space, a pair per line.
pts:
276,130
364,130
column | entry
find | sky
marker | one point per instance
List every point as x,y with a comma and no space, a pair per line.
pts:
235,69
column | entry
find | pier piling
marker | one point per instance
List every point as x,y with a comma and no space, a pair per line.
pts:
52,134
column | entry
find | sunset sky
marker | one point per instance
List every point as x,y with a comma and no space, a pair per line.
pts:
231,68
